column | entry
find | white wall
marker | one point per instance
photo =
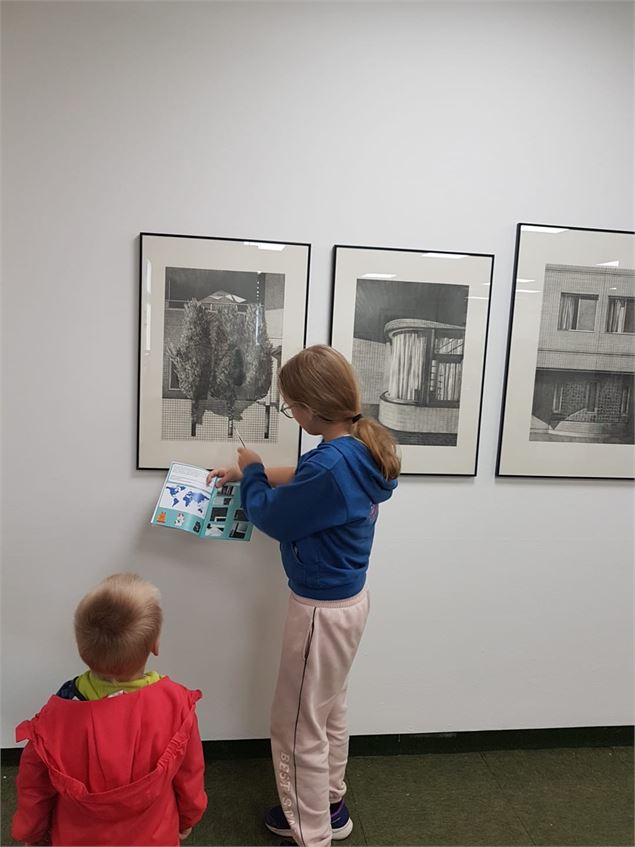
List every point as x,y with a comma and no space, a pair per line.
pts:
495,603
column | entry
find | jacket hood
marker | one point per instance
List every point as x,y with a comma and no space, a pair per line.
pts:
124,749
362,468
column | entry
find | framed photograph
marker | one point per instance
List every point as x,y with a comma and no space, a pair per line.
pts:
568,400
414,325
218,318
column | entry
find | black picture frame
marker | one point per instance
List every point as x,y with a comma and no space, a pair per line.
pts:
279,274
545,271
453,278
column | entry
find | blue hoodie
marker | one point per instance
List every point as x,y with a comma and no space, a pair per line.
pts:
324,518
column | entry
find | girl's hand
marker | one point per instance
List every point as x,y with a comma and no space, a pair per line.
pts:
247,457
183,835
224,475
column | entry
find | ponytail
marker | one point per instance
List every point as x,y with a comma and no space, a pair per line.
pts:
321,379
381,445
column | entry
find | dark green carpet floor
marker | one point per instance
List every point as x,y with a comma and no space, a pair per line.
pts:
513,797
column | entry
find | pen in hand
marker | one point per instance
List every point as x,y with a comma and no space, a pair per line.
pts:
239,435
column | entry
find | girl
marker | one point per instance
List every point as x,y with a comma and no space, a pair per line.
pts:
323,513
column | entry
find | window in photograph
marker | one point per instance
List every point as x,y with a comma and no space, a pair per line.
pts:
621,315
577,312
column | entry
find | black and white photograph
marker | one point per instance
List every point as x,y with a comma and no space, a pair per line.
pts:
408,348
574,300
222,344
218,319
402,318
584,392
239,529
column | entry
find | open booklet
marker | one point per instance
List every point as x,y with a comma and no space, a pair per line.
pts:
189,504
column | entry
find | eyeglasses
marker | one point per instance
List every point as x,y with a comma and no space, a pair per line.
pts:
287,407
286,410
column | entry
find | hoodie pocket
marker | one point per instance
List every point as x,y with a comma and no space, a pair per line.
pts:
308,568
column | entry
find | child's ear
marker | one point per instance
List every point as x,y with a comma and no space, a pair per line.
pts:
155,648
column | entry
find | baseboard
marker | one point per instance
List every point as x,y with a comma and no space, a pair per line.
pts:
428,742
497,739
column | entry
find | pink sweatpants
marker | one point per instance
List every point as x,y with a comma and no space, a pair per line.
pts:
309,734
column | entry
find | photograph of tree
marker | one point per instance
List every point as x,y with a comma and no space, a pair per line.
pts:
222,345
218,317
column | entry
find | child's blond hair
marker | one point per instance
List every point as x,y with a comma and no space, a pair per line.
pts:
118,623
321,379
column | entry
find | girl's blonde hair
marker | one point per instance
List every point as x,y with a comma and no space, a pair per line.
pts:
323,380
118,623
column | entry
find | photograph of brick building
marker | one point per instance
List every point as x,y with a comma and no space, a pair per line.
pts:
239,376
585,367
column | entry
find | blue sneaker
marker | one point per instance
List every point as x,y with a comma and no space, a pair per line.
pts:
341,823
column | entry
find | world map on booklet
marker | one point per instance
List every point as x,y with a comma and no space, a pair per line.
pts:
183,497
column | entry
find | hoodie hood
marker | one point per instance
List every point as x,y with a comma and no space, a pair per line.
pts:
362,468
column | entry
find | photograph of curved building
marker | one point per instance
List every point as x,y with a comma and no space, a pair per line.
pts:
585,366
408,348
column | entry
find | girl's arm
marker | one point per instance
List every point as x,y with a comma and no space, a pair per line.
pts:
279,476
312,502
276,476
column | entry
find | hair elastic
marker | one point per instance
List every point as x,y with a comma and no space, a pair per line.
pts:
356,418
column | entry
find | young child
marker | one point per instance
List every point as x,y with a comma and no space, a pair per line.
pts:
115,757
323,513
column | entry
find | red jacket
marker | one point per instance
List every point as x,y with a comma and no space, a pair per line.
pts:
124,770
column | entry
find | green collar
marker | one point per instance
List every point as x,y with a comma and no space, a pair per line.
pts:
92,687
